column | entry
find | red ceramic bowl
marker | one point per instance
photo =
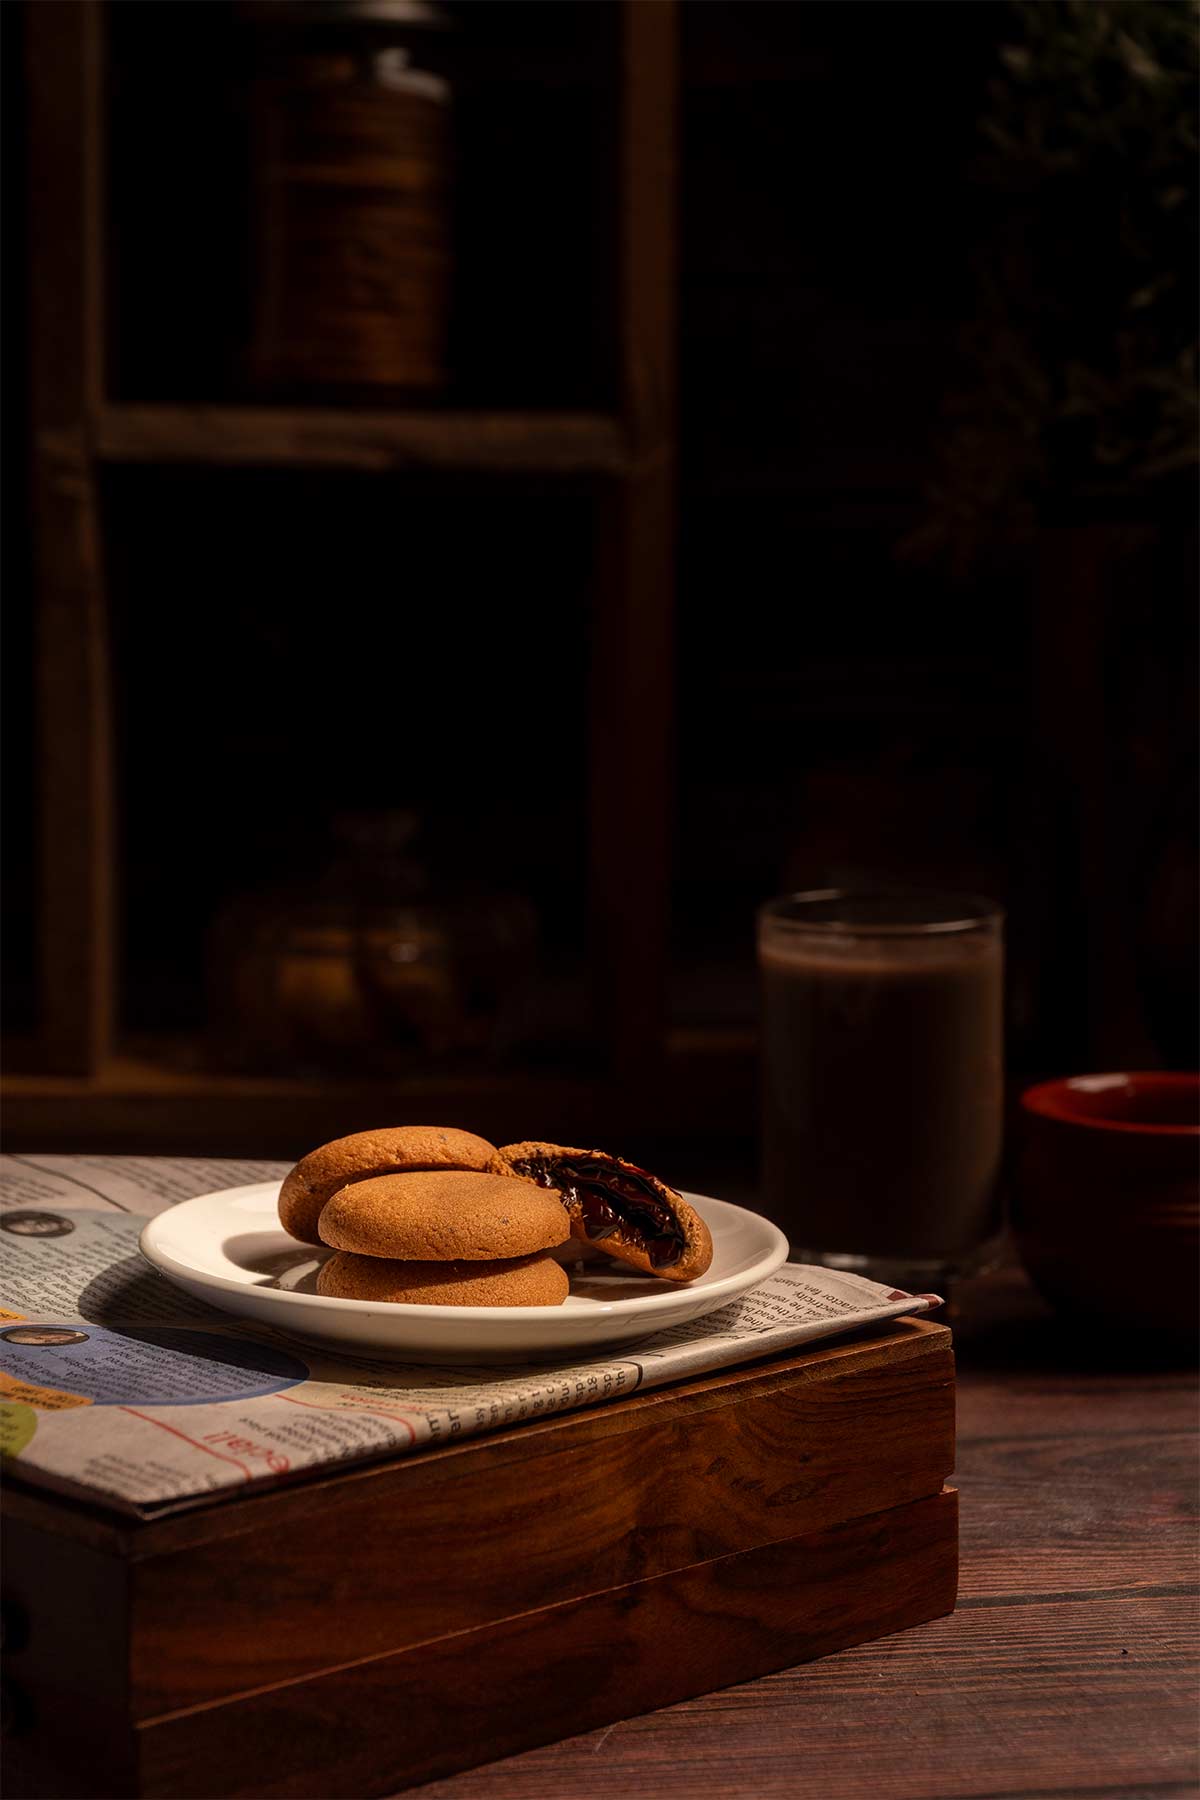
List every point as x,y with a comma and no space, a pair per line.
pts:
1106,1208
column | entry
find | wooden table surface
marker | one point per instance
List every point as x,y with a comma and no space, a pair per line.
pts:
1070,1666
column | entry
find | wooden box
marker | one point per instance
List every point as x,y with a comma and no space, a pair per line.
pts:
363,1630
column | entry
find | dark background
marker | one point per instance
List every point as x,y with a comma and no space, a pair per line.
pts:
935,518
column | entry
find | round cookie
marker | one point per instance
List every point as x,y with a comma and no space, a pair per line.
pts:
443,1215
323,1171
526,1281
618,1208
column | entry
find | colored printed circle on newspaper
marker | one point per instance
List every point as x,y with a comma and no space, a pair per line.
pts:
154,1366
18,1426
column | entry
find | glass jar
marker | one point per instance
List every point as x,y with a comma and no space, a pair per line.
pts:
352,173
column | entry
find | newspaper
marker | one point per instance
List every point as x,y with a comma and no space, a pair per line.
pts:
118,1386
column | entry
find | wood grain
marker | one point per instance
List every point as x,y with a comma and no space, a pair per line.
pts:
986,1704
654,1546
1070,1666
454,1541
427,1710
1068,1669
297,437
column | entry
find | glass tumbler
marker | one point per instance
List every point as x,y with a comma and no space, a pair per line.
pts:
883,1060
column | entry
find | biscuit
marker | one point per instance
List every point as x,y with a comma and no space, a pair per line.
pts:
322,1172
619,1208
444,1215
526,1281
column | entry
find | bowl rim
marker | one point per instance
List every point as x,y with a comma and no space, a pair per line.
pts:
1048,1100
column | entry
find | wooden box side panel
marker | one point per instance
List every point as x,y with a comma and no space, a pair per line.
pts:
423,1713
499,1530
67,1728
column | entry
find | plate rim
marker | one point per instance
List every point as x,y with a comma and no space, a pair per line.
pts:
170,1267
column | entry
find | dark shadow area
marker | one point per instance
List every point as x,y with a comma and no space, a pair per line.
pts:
130,1294
1002,1326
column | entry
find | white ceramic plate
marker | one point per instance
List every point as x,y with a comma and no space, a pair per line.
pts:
230,1249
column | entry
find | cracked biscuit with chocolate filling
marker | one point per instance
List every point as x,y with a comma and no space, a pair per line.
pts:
617,1207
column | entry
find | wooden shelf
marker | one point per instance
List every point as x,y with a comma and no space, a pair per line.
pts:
101,1098
147,1102
556,443
154,1103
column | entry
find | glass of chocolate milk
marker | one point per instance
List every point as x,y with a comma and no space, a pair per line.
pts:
883,1062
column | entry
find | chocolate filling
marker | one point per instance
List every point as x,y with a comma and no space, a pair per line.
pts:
613,1196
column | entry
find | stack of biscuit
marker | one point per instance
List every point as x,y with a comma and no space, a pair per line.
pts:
430,1216
425,1215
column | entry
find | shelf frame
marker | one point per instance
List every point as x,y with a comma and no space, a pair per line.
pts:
541,443
146,1099
629,458
76,861
633,699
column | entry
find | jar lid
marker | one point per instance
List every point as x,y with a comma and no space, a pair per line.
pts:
421,15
